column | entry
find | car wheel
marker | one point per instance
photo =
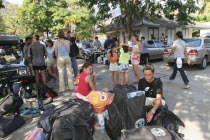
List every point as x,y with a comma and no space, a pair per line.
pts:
203,63
170,63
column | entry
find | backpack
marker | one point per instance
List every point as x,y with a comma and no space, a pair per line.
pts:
44,121
124,113
28,90
9,124
73,120
10,104
168,120
149,133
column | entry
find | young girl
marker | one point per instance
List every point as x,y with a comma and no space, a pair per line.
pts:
135,57
85,81
124,66
51,62
113,67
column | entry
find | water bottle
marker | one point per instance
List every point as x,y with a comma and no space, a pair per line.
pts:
135,93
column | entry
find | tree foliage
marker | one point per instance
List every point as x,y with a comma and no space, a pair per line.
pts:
204,13
81,19
135,10
38,16
1,4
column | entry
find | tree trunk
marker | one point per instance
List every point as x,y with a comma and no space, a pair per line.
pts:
47,33
128,31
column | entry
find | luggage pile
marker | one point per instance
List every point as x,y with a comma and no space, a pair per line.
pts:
127,118
20,101
72,120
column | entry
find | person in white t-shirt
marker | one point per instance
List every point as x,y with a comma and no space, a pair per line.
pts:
180,52
51,61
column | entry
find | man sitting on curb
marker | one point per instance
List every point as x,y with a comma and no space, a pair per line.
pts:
153,90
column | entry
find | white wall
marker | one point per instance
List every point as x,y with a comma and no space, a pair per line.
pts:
144,32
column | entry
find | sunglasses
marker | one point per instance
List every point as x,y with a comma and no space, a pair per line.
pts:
148,66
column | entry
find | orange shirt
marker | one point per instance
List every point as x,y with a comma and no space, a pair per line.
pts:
115,56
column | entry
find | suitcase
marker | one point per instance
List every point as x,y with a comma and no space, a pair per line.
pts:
9,124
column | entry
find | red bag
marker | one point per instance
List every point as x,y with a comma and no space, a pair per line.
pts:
50,95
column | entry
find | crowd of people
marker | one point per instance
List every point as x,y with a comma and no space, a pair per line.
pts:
60,55
63,53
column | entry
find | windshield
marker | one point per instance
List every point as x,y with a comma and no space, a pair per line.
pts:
193,42
9,54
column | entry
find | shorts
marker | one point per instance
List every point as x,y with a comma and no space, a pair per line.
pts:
149,101
43,67
74,64
124,67
113,67
135,60
50,63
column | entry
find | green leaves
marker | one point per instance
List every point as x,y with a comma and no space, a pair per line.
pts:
1,4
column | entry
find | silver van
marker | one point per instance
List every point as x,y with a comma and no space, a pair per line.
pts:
198,50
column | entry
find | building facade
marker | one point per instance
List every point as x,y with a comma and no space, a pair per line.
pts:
163,26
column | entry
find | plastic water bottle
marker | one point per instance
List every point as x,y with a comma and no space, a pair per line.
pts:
135,93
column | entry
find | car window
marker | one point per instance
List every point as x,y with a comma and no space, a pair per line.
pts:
207,43
151,44
206,35
159,44
193,42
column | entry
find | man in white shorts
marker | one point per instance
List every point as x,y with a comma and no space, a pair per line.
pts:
153,88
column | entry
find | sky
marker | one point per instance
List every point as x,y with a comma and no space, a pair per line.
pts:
19,2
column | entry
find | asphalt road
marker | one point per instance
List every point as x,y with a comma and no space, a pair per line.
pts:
191,105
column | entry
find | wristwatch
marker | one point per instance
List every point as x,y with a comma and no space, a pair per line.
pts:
153,111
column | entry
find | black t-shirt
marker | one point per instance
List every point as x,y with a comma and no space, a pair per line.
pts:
151,89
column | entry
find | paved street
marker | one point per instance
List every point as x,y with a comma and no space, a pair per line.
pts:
191,105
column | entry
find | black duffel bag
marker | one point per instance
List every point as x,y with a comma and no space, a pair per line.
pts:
73,120
168,120
9,124
124,112
10,104
149,133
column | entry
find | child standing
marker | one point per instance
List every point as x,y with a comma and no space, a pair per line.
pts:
124,66
113,67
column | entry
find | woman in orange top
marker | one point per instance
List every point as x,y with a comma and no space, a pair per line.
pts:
113,67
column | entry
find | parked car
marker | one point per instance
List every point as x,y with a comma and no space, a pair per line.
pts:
85,50
206,35
198,50
155,48
11,60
